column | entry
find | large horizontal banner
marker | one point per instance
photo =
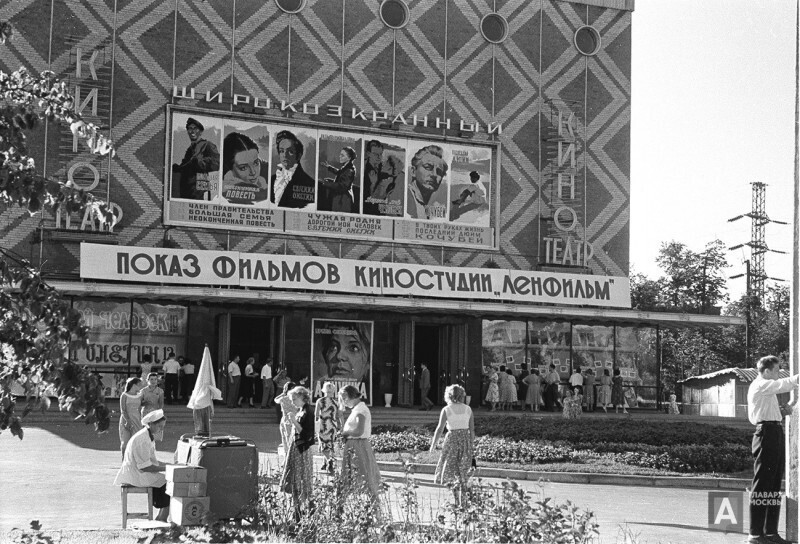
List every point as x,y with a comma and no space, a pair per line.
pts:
261,271
236,174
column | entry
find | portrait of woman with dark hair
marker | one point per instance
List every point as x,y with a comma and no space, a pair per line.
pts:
242,182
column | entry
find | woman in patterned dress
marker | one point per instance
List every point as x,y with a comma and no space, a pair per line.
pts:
327,413
455,464
508,388
493,393
533,396
130,402
617,395
298,476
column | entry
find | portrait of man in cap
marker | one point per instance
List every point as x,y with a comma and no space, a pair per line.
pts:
200,164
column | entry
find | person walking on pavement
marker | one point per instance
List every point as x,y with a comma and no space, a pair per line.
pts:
268,389
234,377
766,414
171,369
425,387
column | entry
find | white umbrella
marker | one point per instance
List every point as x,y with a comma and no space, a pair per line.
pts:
205,388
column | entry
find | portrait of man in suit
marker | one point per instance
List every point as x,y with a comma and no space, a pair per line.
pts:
291,186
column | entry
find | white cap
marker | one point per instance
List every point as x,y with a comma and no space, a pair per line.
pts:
152,417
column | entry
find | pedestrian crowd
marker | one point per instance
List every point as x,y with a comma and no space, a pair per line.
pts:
530,390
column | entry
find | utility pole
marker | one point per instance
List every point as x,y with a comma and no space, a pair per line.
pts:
757,244
756,275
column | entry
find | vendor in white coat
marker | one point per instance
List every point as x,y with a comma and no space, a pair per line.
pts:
141,468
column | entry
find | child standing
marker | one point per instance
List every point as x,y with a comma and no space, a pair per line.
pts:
327,413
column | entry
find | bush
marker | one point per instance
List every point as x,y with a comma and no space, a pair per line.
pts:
588,431
499,450
391,442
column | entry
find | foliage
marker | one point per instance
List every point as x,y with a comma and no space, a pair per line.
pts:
628,431
35,534
501,450
389,442
679,447
36,324
491,513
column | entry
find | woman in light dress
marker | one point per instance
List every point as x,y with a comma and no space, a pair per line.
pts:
533,396
359,469
604,398
130,403
493,393
455,464
289,413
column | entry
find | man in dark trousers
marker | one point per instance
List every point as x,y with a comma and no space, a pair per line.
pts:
551,380
766,414
425,387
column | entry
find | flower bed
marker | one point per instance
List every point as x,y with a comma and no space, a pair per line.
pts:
685,447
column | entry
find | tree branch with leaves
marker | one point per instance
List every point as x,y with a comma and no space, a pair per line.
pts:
38,327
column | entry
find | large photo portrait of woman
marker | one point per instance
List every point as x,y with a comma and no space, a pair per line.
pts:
342,354
245,164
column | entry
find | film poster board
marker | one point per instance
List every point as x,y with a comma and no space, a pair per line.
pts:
342,354
259,176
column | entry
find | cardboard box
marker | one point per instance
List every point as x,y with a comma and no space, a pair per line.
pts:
180,474
186,489
188,510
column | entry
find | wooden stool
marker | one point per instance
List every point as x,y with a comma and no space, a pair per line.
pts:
124,490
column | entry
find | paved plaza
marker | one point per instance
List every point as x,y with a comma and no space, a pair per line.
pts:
61,474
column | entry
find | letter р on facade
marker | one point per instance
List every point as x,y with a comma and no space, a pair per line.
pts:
427,236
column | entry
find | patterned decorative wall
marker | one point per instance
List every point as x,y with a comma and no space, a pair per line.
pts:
336,52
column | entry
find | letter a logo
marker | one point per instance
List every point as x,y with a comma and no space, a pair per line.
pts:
725,511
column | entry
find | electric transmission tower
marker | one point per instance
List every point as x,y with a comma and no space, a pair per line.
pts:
758,245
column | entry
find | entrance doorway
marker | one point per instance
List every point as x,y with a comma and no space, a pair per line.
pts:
426,350
249,336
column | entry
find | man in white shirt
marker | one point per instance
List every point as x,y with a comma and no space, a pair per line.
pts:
766,414
171,369
551,380
268,391
234,377
576,380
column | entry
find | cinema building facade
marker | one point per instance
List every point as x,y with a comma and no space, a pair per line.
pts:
351,187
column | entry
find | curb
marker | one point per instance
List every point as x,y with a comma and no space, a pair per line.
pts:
739,484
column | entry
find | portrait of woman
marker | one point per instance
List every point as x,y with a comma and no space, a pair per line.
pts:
342,351
242,182
341,186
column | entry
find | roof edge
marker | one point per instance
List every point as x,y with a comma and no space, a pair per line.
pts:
626,5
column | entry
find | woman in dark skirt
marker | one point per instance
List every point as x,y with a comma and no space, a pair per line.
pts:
455,463
298,475
617,395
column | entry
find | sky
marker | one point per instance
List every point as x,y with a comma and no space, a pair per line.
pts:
713,87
